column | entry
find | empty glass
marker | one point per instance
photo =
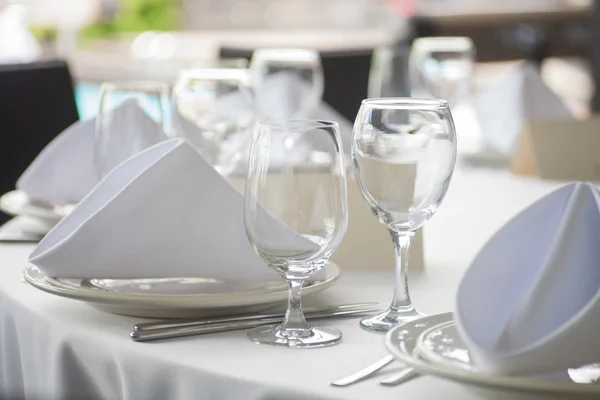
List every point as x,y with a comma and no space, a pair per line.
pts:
404,151
287,83
296,216
442,68
388,76
212,110
132,117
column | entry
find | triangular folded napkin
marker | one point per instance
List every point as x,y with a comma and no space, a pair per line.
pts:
530,301
162,213
64,172
503,108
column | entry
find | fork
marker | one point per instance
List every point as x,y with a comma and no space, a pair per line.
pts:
402,376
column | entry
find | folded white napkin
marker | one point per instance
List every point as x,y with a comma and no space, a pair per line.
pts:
530,301
503,108
163,213
64,172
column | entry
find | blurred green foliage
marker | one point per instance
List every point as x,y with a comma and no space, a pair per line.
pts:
138,16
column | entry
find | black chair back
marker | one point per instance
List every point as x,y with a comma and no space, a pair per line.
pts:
37,102
346,77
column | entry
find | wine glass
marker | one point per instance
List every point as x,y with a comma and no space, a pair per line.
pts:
404,151
442,68
287,83
132,117
212,110
296,215
388,76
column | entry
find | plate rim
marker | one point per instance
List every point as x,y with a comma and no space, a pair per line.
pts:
49,213
210,300
475,378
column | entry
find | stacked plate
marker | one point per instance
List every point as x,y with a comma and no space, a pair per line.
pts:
17,203
176,297
433,346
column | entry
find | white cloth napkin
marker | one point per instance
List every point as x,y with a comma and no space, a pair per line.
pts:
530,301
162,213
64,172
503,108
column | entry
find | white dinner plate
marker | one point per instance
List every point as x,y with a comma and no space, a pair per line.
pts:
17,203
176,297
433,346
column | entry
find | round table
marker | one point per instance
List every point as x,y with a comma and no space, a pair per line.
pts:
56,348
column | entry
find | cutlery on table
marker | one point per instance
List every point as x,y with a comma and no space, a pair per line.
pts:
397,378
215,326
363,373
180,323
403,376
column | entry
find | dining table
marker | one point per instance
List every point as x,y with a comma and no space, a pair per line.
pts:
57,348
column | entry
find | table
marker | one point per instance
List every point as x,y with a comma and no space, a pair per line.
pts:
52,347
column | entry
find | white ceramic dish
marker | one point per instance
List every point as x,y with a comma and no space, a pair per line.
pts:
437,349
203,297
16,203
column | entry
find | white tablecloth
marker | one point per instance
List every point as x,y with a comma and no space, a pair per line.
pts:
55,348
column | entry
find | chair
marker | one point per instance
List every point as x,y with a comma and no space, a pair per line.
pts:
37,102
346,77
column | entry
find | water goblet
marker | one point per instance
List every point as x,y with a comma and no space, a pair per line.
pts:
403,151
132,117
212,110
296,216
442,68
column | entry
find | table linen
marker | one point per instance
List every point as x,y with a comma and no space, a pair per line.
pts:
52,348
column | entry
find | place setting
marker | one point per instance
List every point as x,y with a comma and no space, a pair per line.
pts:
163,234
145,217
523,320
146,183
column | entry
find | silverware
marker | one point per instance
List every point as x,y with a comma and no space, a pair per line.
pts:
404,375
400,377
363,373
176,332
21,237
180,323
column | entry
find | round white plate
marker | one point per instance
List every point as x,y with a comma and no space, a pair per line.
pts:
16,203
206,296
437,349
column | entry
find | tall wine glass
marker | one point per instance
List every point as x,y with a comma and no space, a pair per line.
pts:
132,117
404,151
442,67
212,110
296,216
388,76
287,83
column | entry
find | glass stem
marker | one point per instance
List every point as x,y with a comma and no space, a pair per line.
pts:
294,323
401,300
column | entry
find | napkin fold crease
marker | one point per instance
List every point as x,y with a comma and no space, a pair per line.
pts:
530,301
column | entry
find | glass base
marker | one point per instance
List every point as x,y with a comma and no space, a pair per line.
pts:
311,337
389,319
